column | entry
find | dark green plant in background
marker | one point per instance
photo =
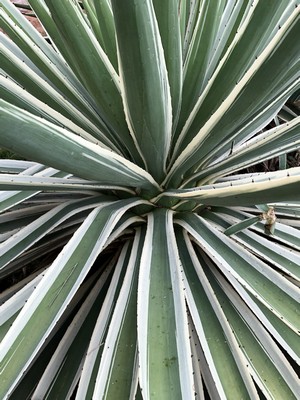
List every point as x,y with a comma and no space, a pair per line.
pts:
141,258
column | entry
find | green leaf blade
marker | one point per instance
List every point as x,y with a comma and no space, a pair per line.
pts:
55,292
68,148
165,364
117,375
168,22
241,225
144,82
107,30
203,145
215,336
269,187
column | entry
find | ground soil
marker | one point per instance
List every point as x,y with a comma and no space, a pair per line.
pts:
35,22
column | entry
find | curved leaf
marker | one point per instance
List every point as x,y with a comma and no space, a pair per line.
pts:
60,148
55,292
267,187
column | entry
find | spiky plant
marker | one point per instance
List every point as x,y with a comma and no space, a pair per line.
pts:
139,256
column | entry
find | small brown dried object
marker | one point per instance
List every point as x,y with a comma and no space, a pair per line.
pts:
270,218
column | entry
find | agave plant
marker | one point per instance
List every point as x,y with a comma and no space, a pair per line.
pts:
140,256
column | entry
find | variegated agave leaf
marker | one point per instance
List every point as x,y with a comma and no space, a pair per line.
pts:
139,255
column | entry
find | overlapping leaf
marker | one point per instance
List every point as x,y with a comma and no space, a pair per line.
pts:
186,293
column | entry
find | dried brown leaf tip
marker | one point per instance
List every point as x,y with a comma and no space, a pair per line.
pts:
270,218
